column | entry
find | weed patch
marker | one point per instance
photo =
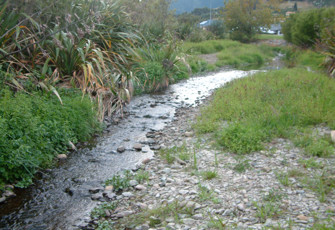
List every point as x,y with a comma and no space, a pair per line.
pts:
269,105
34,129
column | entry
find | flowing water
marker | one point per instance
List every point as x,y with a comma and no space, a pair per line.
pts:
61,199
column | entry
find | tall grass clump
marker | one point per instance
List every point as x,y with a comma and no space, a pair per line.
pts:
245,55
158,66
35,128
250,111
208,47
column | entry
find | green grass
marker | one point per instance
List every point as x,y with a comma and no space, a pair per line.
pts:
209,175
268,105
245,55
230,53
156,217
208,47
35,128
269,37
266,210
170,154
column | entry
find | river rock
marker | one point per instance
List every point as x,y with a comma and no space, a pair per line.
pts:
61,156
140,187
9,193
189,134
2,199
110,195
138,147
121,149
96,189
127,194
97,196
133,183
9,186
123,214
146,161
109,188
302,217
332,135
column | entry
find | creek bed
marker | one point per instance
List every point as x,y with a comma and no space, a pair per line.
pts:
60,199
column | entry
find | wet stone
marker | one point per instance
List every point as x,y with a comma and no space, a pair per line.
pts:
97,196
137,147
9,193
96,189
61,156
121,149
2,199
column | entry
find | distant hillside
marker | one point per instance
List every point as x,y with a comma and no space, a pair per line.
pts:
182,6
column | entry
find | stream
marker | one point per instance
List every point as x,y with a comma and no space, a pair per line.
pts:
60,198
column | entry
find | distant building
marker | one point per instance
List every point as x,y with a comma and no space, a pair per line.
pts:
276,28
207,23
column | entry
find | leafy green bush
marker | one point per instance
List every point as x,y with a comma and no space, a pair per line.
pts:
33,129
268,105
305,28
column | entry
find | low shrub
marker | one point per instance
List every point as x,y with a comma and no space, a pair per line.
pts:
34,129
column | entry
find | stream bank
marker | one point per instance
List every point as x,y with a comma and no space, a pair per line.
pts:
200,186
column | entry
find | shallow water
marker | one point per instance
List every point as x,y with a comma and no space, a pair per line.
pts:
61,200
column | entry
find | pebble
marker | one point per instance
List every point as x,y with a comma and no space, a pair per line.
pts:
97,196
146,161
121,149
137,147
9,193
133,183
140,187
96,189
2,199
127,194
123,214
61,156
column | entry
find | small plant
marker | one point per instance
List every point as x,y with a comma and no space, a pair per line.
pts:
242,166
208,175
100,211
142,176
311,163
170,154
321,184
283,179
216,223
315,146
266,210
273,196
207,194
119,182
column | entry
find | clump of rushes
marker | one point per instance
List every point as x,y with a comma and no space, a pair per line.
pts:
268,105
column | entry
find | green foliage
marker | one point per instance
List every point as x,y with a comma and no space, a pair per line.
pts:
305,28
314,145
142,176
34,129
119,182
209,175
244,17
268,105
245,56
159,66
100,211
267,210
242,166
209,47
170,154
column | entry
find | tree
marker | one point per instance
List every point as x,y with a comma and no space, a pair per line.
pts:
295,7
243,18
